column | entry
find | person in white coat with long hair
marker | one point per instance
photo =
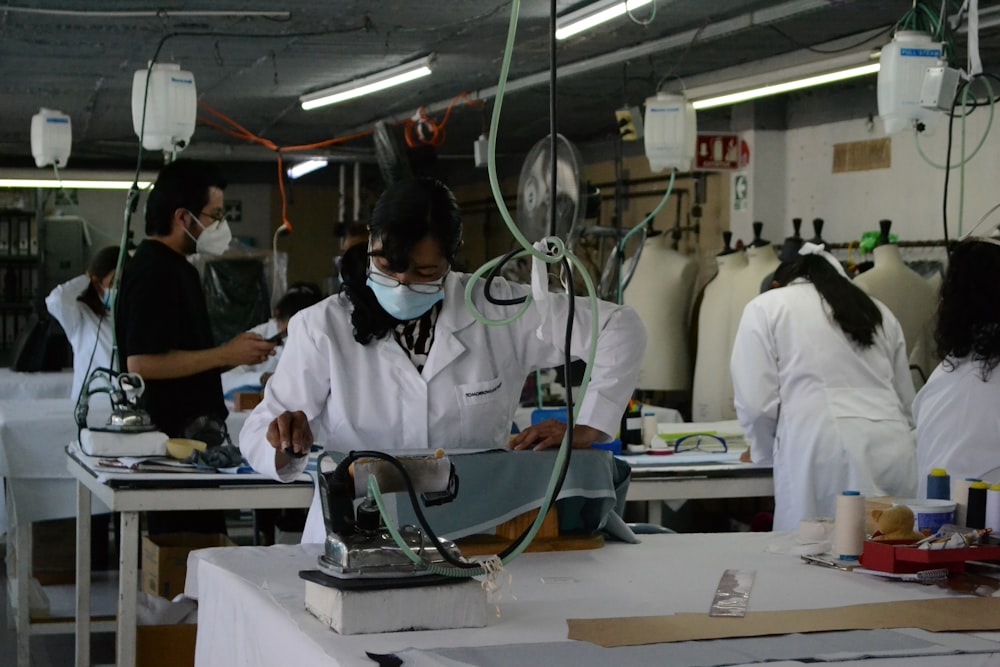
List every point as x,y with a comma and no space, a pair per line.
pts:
823,390
396,361
958,410
81,306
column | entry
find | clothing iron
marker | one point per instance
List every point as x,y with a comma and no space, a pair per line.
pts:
365,582
129,431
358,544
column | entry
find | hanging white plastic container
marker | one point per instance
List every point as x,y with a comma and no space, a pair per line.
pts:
51,137
171,107
670,132
903,65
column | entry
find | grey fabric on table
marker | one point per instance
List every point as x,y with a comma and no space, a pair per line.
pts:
224,456
498,485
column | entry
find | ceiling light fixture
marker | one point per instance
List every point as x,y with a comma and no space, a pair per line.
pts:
780,74
307,167
368,84
69,184
767,90
594,14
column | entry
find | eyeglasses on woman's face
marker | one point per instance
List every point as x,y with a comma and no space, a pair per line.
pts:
431,286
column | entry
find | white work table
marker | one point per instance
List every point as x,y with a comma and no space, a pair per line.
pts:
16,386
683,477
251,603
134,492
697,475
33,438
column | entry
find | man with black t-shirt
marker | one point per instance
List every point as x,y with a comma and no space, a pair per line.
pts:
162,320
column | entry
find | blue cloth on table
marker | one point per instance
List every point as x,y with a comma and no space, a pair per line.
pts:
498,485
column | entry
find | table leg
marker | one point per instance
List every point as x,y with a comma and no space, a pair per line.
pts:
22,552
83,501
128,564
654,512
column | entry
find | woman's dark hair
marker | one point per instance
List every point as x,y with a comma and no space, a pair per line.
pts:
853,310
408,212
298,296
968,318
181,184
101,265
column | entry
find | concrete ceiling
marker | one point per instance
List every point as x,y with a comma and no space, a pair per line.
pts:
79,57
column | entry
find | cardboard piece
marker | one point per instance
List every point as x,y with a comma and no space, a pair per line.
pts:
164,560
939,615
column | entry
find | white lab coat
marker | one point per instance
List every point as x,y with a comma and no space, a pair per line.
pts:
249,374
958,423
371,396
83,328
829,415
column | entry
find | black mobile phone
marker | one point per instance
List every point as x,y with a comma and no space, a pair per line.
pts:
278,338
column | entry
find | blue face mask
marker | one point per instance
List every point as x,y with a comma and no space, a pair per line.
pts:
109,295
402,302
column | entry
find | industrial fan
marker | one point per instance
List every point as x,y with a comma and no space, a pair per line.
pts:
534,197
534,191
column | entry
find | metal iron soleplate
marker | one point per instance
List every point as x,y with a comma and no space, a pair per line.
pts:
377,584
732,597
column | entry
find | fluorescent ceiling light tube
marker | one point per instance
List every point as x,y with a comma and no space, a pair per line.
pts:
594,15
368,84
778,88
307,167
69,184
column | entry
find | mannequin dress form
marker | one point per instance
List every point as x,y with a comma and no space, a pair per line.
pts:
661,292
761,263
712,395
910,298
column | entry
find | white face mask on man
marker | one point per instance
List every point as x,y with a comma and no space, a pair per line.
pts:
214,239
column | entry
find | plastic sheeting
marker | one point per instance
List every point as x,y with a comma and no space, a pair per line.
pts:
237,296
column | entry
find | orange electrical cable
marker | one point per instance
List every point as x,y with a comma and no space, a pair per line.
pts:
421,124
241,132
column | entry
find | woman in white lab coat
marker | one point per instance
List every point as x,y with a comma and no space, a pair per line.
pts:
396,361
81,306
823,389
958,410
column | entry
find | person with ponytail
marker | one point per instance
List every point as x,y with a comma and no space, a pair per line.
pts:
823,390
81,307
397,361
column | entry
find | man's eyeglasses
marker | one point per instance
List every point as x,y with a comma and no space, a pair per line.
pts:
701,442
380,278
214,216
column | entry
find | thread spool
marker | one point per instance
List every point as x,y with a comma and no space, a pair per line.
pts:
849,525
938,485
960,493
993,508
976,513
650,429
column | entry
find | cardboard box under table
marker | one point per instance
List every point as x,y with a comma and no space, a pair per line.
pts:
164,560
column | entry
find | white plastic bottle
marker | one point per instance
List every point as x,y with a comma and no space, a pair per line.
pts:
903,65
171,105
